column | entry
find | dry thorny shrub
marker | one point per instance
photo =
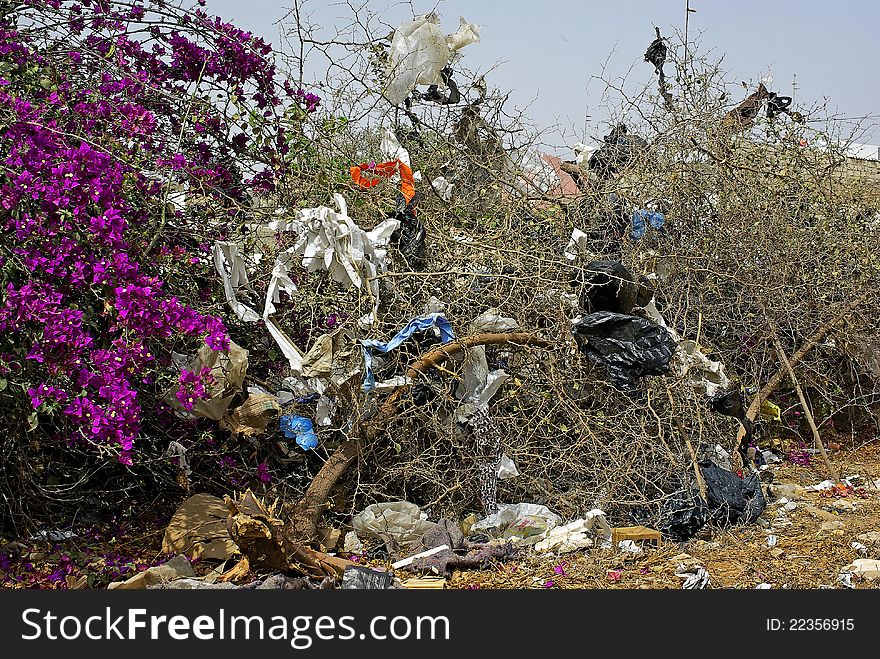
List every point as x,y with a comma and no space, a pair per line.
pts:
761,232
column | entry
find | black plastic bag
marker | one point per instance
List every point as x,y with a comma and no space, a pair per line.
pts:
609,286
629,347
656,53
619,149
731,403
410,236
683,515
732,500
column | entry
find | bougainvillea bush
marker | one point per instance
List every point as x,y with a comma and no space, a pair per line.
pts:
132,135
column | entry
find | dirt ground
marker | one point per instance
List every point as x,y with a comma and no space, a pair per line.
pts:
805,556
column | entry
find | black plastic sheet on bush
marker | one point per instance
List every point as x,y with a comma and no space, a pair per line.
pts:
629,347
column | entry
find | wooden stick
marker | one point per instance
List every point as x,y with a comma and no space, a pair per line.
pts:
831,469
701,482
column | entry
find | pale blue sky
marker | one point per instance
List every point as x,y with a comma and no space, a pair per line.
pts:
547,50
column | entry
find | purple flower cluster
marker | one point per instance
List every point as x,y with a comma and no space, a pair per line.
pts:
83,161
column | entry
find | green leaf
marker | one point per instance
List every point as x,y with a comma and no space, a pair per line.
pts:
3,384
32,422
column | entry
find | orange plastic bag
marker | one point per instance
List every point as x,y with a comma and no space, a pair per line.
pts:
367,176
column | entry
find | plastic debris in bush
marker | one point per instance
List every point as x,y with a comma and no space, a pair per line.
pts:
629,347
521,522
619,150
418,324
641,219
299,428
730,500
610,286
419,53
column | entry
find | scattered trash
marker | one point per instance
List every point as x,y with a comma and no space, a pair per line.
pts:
831,526
364,578
352,544
198,530
695,578
54,536
253,416
763,586
491,321
636,534
408,560
772,540
629,547
614,575
566,538
844,506
619,149
518,522
869,538
444,562
401,520
610,286
770,411
424,582
641,219
731,500
176,568
629,347
864,567
506,468
860,547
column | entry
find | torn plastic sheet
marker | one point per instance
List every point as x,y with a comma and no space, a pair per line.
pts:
566,538
443,188
706,377
331,241
233,271
641,219
418,324
420,51
518,522
577,245
506,468
367,175
391,148
695,578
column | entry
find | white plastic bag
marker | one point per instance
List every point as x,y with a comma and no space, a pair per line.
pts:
419,51
402,520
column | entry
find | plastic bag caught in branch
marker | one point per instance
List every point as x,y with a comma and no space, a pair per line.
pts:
232,269
419,51
418,324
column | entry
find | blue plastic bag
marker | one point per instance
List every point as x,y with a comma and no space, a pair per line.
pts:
639,226
300,428
419,324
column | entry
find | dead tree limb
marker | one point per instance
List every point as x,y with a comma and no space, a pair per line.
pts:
303,527
802,352
781,352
